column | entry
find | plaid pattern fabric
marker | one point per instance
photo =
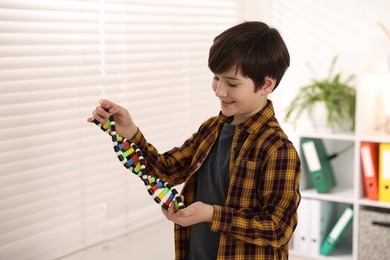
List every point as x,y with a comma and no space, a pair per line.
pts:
259,215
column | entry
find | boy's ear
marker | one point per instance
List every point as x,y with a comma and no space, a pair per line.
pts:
269,85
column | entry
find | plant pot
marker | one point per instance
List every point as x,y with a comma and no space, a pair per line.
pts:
318,115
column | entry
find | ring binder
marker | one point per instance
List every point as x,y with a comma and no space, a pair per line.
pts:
317,162
337,231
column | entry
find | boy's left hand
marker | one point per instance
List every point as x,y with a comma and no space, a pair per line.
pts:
195,213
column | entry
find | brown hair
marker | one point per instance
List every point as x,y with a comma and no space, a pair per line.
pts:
252,47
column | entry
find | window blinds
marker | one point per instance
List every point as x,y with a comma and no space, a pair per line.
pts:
61,187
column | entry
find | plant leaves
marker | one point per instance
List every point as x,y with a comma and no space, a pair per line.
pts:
339,96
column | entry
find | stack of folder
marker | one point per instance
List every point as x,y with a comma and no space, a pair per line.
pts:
319,229
337,231
316,161
315,220
375,168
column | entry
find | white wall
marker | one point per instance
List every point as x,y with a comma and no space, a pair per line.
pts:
316,31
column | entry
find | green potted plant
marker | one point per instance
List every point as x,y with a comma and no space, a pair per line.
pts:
337,96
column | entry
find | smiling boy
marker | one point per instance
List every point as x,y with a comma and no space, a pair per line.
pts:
241,172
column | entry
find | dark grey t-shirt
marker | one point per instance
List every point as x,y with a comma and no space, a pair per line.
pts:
212,188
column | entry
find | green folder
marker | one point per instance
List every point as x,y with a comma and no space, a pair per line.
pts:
337,231
316,161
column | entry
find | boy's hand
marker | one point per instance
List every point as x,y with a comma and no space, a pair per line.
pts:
195,213
123,121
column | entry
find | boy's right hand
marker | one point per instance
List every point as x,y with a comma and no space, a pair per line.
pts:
125,125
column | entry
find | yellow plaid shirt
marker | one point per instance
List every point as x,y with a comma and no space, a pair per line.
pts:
260,212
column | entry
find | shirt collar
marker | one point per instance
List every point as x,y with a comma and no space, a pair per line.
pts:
254,122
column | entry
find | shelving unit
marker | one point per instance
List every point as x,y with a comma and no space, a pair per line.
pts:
373,98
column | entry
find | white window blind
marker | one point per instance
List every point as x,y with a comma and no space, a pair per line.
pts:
61,187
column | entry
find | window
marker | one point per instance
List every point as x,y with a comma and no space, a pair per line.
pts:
61,186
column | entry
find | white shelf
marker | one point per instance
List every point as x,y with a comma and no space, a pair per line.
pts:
337,194
337,254
349,187
348,136
374,203
375,137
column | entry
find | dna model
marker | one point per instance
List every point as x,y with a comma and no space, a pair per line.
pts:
132,159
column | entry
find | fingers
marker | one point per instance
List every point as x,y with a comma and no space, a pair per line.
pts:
114,109
171,213
100,114
125,125
103,112
165,212
183,217
111,107
106,104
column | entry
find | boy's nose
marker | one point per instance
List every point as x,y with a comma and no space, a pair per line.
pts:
220,91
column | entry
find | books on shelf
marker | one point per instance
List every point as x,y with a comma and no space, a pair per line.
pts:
316,160
362,179
384,172
314,222
337,231
375,168
301,233
320,223
369,166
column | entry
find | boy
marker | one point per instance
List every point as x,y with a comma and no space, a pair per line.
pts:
241,172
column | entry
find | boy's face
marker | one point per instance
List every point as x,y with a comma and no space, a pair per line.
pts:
237,95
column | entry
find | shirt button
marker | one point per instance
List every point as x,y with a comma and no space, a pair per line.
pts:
177,226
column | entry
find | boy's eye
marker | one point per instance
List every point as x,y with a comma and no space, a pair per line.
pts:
232,85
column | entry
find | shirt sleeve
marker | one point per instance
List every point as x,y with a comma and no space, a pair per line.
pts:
273,222
171,166
175,165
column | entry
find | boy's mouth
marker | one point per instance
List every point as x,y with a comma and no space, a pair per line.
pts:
226,103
